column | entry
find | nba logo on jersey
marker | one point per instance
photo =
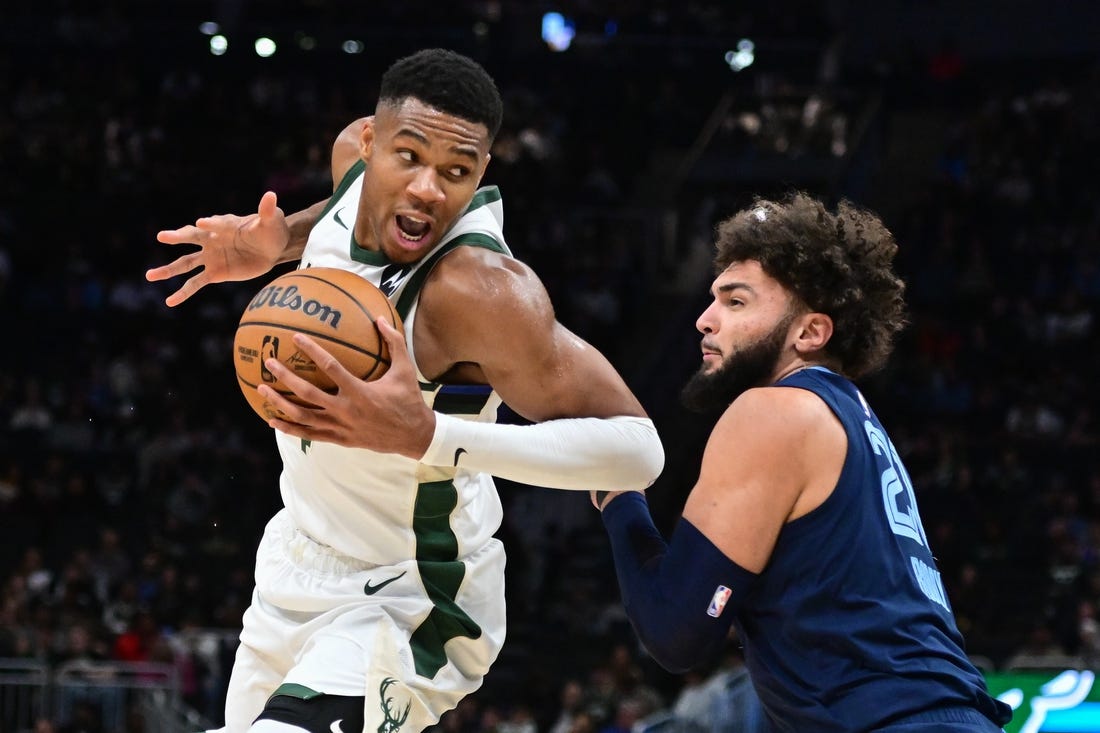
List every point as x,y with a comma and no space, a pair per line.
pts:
718,601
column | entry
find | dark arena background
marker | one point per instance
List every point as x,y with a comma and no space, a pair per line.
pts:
135,481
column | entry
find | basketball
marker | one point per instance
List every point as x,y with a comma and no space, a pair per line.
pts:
335,307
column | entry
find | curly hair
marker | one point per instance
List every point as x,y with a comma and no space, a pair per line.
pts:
450,82
838,264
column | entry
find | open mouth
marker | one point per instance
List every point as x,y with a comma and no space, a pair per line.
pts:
412,229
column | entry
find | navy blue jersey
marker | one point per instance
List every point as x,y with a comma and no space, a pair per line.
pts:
848,627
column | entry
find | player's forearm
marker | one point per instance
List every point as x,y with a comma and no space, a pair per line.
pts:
300,225
569,453
675,594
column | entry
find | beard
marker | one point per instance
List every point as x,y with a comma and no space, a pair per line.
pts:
748,367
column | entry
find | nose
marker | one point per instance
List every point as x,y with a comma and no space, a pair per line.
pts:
425,186
706,323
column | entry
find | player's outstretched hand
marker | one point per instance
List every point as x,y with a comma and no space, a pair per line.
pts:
387,415
231,247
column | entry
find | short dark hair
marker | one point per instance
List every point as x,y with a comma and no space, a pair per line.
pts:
448,81
838,264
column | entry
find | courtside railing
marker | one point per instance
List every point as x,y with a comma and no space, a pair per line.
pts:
115,696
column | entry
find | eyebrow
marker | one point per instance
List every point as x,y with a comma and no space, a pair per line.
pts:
730,287
467,151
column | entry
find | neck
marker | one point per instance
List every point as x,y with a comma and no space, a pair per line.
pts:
792,368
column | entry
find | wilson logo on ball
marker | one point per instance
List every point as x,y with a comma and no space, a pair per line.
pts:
288,297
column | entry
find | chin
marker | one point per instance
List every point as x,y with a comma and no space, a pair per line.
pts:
405,252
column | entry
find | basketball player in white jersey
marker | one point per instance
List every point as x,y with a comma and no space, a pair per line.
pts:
379,599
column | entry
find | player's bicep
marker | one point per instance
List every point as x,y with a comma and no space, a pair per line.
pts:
543,371
750,479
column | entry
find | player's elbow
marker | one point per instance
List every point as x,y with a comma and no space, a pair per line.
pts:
674,660
643,455
679,649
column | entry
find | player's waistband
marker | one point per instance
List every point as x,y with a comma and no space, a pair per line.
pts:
961,714
307,553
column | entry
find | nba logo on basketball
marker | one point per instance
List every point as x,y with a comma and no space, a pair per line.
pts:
718,601
268,350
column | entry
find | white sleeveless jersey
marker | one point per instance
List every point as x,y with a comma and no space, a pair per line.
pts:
384,508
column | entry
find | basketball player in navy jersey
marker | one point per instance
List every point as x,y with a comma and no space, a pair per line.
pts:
802,529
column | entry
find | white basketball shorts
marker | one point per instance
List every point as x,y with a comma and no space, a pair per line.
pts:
413,638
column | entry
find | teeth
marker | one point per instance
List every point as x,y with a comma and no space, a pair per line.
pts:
414,221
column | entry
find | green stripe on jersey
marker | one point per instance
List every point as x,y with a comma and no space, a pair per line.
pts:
473,239
441,573
356,168
482,197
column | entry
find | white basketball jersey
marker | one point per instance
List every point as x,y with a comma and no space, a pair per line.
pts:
384,508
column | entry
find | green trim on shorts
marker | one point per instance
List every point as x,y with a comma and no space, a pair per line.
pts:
292,689
442,573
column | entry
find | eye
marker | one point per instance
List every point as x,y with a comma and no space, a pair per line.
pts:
458,172
407,155
736,303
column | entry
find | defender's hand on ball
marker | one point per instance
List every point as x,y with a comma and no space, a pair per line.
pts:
387,415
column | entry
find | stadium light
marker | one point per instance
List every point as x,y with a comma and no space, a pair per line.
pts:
265,47
743,57
219,44
558,31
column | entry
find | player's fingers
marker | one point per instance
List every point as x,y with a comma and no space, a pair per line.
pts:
176,267
307,432
395,341
300,417
325,361
183,235
296,384
209,226
189,288
269,204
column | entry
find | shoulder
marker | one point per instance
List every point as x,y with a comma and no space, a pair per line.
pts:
777,425
345,150
486,276
777,409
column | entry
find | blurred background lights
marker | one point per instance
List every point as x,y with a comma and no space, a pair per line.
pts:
743,57
264,47
209,28
557,31
352,46
306,42
218,45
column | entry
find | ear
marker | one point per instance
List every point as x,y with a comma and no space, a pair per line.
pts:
484,166
366,139
812,332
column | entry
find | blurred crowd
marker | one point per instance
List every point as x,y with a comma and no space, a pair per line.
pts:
135,481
